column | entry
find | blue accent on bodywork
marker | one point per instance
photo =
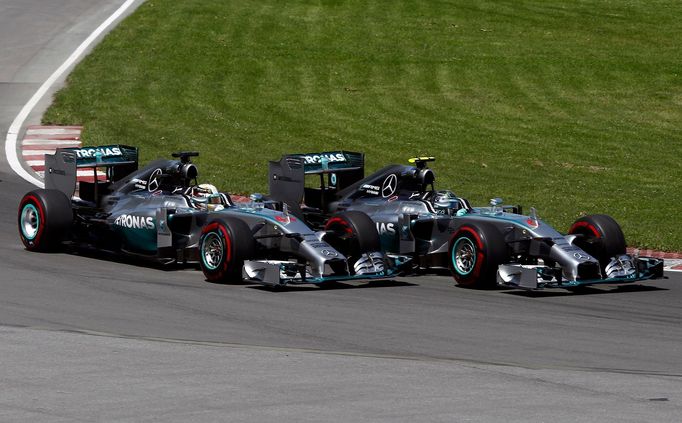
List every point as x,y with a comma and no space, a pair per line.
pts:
104,155
389,241
542,229
139,239
269,217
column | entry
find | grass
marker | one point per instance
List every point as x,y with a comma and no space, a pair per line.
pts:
570,106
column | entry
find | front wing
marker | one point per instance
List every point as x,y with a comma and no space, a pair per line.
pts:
534,277
280,273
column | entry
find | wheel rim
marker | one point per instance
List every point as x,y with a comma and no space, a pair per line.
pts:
30,221
212,250
464,256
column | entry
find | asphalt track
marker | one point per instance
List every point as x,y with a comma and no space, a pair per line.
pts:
86,338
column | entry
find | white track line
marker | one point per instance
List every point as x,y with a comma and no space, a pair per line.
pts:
13,133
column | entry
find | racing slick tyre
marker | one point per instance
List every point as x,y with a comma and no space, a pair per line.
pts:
224,245
45,217
475,251
352,233
602,237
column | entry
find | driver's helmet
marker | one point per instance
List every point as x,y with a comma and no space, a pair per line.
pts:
205,197
446,202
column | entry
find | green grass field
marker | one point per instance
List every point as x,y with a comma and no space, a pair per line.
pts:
570,106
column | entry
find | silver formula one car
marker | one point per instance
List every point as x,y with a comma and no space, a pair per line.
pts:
160,213
482,246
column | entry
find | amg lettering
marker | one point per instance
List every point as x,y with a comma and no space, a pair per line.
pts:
370,189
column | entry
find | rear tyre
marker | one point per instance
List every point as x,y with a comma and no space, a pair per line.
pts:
44,218
602,237
475,251
224,245
352,233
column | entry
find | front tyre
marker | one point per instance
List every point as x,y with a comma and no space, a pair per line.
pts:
224,245
475,251
352,233
601,237
44,219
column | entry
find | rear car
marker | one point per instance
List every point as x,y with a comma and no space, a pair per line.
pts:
161,213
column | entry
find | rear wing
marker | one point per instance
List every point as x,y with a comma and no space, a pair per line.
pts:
61,168
337,170
331,161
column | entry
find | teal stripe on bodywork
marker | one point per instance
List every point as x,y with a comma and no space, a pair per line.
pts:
140,239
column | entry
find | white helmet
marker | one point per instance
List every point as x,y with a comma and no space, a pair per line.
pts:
205,196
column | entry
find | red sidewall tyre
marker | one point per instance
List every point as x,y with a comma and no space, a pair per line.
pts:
354,233
475,251
44,219
224,245
602,237
33,242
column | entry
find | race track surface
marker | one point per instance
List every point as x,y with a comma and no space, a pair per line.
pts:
416,348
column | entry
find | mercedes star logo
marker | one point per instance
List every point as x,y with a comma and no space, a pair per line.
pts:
153,181
330,253
389,185
581,256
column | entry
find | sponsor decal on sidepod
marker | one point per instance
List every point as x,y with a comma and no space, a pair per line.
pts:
135,222
385,228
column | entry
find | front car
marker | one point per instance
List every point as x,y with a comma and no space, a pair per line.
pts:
414,218
541,257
